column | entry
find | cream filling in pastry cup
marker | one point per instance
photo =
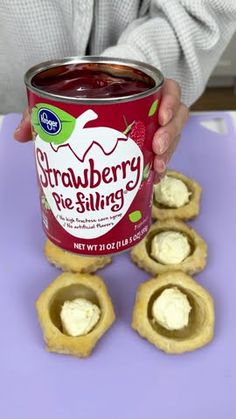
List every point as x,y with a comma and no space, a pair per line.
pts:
79,316
172,192
176,196
170,245
171,309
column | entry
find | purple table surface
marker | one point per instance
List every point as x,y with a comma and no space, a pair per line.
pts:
126,377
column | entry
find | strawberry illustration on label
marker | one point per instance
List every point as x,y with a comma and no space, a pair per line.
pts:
136,131
93,175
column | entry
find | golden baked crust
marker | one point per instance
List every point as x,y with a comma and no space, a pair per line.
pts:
186,212
194,263
72,262
200,329
69,286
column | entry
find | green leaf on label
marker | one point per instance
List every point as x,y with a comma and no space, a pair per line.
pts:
146,171
47,206
135,216
45,203
128,128
153,108
67,124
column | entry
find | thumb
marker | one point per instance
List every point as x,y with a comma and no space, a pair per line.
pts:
23,132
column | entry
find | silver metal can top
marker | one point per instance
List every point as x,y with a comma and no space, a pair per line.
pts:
115,66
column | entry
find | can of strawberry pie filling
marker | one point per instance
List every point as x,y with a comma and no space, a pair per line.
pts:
93,121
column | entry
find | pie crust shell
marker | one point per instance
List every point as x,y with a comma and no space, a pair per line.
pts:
72,262
200,329
195,262
69,286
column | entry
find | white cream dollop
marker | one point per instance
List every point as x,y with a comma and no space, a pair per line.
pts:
171,309
170,247
171,192
79,316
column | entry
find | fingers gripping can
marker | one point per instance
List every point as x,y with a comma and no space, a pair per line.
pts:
93,121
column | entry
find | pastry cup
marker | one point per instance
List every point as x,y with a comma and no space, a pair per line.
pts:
195,262
72,262
69,286
200,329
186,212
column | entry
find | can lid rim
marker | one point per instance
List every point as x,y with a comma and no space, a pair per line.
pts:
148,69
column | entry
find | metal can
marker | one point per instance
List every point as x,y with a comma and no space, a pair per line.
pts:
93,151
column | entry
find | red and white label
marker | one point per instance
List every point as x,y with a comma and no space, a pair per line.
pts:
93,176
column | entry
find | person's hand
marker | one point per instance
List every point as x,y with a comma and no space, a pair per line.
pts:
23,132
173,115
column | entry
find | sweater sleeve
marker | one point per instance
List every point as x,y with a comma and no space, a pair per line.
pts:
184,38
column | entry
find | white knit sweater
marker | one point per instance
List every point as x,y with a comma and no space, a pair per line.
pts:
184,38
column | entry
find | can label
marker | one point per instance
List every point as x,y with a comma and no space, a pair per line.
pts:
95,172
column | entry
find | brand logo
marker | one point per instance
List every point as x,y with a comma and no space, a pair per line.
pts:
49,121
